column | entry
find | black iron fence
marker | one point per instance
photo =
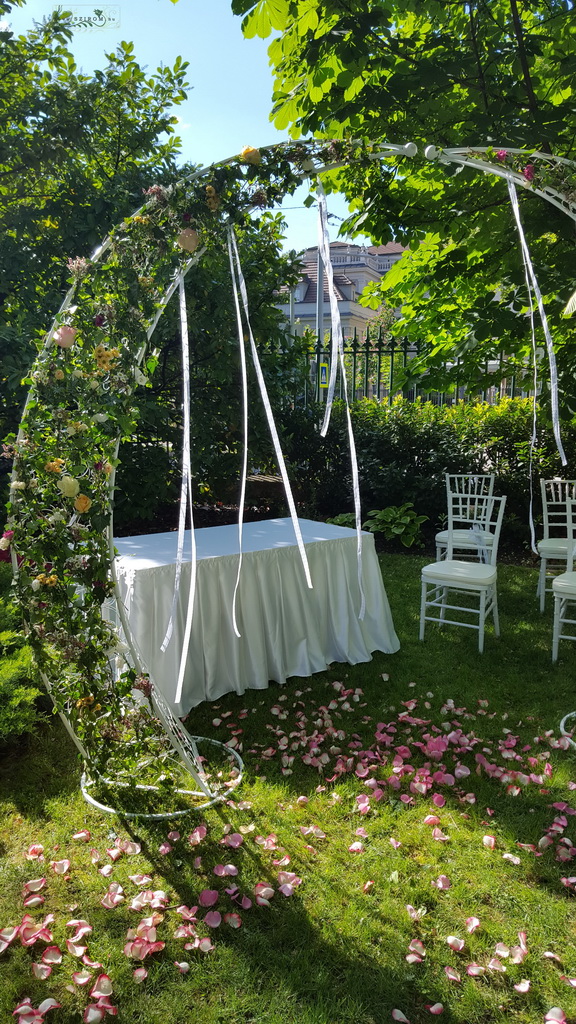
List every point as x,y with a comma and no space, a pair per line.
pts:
376,366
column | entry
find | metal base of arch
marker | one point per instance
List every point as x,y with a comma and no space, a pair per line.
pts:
210,796
566,731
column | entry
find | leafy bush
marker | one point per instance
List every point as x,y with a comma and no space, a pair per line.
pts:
397,523
19,697
404,451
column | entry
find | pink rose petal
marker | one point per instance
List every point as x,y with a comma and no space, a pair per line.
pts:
436,1008
81,977
522,986
208,897
213,919
556,1015
35,852
41,971
102,987
93,1014
140,974
455,943
75,948
452,974
82,836
234,840
442,882
475,970
489,842
234,920
472,923
52,955
356,848
399,1016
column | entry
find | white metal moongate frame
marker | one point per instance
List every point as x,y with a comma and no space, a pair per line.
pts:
184,745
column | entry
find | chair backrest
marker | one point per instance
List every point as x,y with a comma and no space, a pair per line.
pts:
469,483
557,495
488,515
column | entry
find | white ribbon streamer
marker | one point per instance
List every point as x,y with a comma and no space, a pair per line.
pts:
185,499
544,319
337,357
245,428
239,284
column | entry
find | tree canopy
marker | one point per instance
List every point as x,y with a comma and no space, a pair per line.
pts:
454,74
76,152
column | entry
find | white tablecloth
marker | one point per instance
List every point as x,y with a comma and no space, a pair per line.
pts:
287,629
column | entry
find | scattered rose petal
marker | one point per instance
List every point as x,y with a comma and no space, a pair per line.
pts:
489,842
182,965
233,920
213,919
81,977
399,1016
52,955
522,986
475,970
472,923
41,971
208,897
452,974
102,987
455,943
436,1008
35,852
556,1015
234,840
512,858
140,974
355,848
82,836
442,882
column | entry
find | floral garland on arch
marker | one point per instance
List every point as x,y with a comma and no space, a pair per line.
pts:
80,405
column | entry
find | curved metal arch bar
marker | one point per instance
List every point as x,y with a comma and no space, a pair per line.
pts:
463,157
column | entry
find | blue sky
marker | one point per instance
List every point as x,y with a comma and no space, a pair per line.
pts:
231,82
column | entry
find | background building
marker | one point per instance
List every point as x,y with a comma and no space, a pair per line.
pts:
354,266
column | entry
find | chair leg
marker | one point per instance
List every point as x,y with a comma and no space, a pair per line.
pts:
556,629
423,609
443,608
482,621
541,592
495,612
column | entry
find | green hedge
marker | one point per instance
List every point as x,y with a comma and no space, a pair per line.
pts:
405,449
20,698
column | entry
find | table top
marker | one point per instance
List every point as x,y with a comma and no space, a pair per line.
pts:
156,549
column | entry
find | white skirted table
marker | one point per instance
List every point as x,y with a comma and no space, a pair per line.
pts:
286,628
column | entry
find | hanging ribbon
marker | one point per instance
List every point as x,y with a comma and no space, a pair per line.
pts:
185,500
245,428
544,319
337,358
239,285
533,436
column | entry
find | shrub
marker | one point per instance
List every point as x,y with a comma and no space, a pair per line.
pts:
19,696
405,449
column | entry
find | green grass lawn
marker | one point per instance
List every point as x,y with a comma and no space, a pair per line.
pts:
333,950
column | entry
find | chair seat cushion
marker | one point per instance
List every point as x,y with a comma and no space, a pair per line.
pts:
565,584
466,538
455,573
553,547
